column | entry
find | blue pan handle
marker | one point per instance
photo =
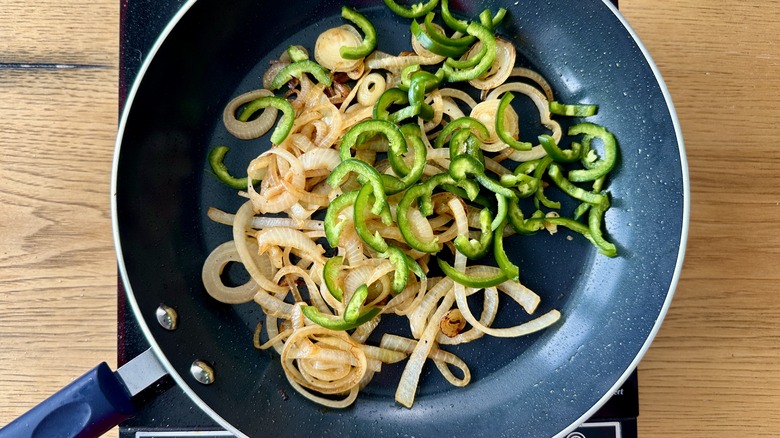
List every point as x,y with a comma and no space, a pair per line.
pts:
88,407
91,405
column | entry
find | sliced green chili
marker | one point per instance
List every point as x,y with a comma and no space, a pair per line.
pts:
371,127
556,153
415,193
450,20
556,174
605,163
503,131
355,303
369,35
333,322
297,53
475,281
368,174
492,21
540,197
414,11
296,69
391,96
471,123
595,219
436,35
487,38
476,249
375,240
216,161
573,110
509,269
333,226
418,165
285,124
433,46
330,275
403,264
469,62
583,208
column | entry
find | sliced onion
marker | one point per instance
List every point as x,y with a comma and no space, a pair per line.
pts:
252,128
290,238
328,46
370,89
500,69
485,112
407,386
240,228
211,275
543,105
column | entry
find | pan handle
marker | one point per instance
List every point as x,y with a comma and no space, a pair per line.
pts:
91,405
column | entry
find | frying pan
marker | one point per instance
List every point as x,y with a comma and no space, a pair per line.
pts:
540,385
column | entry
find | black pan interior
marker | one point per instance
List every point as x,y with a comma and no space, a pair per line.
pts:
535,386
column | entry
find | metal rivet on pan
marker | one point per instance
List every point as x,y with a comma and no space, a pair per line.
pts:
167,317
202,372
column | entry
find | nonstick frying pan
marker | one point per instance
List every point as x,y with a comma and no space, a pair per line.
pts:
540,385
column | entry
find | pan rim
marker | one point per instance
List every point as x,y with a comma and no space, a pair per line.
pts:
186,387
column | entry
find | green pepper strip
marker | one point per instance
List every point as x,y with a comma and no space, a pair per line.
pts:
369,39
404,225
556,174
415,11
605,164
421,193
537,223
494,186
418,166
526,185
391,96
502,210
502,131
487,38
216,161
520,224
466,157
436,35
539,195
403,264
468,62
369,175
330,275
595,218
476,249
352,309
474,281
426,41
285,123
449,20
422,82
296,69
557,154
573,110
375,241
509,269
296,53
583,208
395,138
334,322
492,22
471,123
480,199
333,228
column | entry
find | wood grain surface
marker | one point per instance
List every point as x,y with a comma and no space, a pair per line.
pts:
714,368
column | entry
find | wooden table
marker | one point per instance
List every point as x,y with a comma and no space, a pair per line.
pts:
714,368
